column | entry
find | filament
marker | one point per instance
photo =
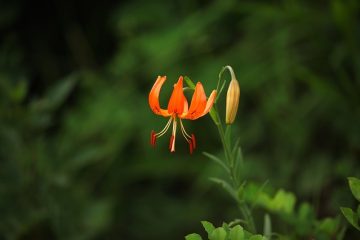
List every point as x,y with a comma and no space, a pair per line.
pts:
163,131
185,134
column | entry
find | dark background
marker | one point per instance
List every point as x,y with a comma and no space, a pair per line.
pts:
75,159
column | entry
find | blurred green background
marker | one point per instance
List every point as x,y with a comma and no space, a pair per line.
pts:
75,158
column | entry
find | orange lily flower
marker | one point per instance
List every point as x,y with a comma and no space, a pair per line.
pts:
178,109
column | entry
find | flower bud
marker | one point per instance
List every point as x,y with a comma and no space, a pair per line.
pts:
232,100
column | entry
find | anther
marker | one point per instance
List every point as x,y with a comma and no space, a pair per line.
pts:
193,140
191,146
153,138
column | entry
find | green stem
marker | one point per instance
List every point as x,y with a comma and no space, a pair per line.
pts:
245,210
230,160
228,155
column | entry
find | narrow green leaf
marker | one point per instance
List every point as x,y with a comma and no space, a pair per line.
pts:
237,167
352,218
240,191
236,145
239,155
189,82
217,160
228,135
218,234
193,236
213,115
220,75
237,233
208,226
226,186
220,91
354,184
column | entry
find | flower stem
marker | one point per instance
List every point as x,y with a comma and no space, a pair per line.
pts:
230,162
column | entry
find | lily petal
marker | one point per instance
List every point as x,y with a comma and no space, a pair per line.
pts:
198,103
154,97
186,106
209,103
177,100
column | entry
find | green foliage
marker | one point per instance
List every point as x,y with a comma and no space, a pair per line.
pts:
282,201
218,234
226,232
237,233
193,236
302,220
208,226
189,82
351,216
354,184
75,162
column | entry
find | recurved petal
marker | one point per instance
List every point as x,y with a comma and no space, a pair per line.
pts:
154,97
177,100
209,103
186,106
198,103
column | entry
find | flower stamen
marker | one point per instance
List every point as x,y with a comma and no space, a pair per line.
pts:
164,130
152,138
193,140
188,138
179,108
154,135
185,134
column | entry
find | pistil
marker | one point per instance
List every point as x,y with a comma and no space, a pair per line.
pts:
173,136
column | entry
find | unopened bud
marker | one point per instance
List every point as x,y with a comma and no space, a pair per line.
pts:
232,99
